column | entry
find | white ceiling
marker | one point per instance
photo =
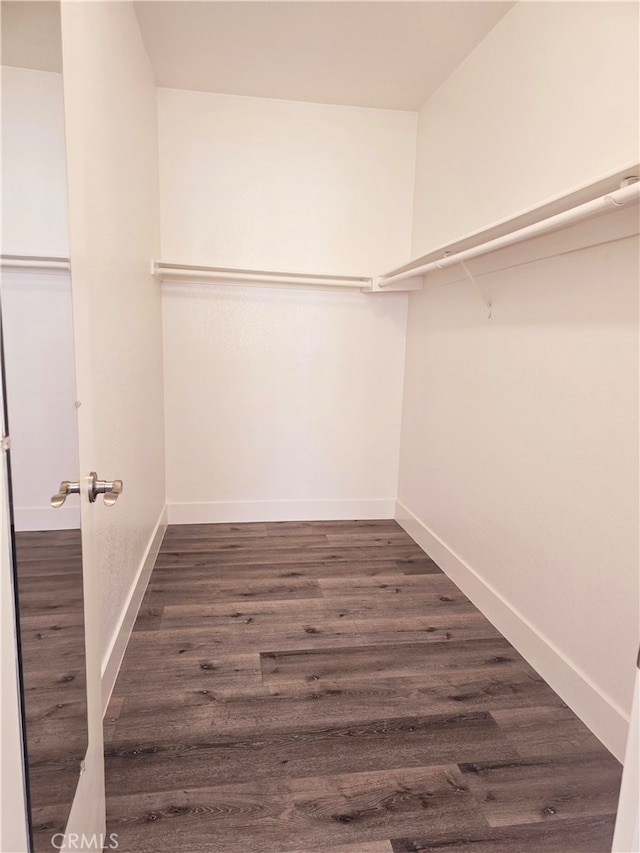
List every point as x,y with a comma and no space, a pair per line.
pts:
391,54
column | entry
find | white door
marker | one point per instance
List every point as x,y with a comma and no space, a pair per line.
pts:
111,134
13,808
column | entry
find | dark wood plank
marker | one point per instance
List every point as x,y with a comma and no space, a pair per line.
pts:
284,555
52,622
362,539
420,565
46,705
240,637
49,819
299,752
360,847
393,584
217,819
385,661
220,546
267,614
364,806
149,616
586,835
321,569
214,531
373,526
547,731
194,674
438,627
176,592
545,789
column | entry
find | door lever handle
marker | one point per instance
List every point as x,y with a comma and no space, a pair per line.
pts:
66,488
110,489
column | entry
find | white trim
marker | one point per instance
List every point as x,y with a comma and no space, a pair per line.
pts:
626,838
596,710
305,510
118,645
46,518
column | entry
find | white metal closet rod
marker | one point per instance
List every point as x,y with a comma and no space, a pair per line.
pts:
37,263
168,272
625,196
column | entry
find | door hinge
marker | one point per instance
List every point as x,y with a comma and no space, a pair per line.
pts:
5,443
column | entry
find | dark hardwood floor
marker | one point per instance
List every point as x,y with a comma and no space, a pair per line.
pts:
325,687
50,601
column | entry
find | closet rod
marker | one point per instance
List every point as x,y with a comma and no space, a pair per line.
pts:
169,272
36,263
618,198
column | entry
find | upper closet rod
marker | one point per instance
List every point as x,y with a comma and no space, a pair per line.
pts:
611,201
169,272
35,263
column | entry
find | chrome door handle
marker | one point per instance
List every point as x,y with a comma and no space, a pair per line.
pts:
110,489
66,488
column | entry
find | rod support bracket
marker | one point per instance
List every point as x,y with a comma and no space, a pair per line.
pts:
483,295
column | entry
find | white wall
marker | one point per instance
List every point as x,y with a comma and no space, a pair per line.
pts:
37,307
547,102
40,370
519,453
284,185
282,403
520,434
34,178
111,130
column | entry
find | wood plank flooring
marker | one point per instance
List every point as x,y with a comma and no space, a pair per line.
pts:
323,686
50,600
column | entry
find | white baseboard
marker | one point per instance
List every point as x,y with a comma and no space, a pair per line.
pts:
118,645
46,518
597,711
239,511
